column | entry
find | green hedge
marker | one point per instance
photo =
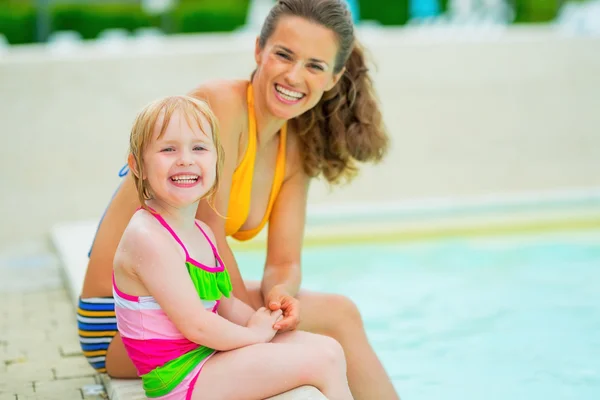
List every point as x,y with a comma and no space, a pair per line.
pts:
18,23
210,16
89,20
18,19
530,11
385,12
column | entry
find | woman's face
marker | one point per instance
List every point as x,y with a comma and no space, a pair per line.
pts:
295,67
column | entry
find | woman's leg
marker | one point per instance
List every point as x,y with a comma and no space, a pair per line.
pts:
338,317
118,363
259,371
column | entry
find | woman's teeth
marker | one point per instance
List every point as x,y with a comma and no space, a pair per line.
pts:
287,94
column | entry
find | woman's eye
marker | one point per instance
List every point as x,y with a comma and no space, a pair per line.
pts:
284,55
316,66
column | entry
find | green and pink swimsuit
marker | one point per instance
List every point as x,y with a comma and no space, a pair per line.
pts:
167,362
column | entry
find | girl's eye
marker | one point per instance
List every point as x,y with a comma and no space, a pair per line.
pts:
168,149
316,66
199,148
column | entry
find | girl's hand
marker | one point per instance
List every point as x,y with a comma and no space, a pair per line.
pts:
261,323
279,299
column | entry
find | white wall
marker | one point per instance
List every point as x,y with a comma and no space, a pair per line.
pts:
509,113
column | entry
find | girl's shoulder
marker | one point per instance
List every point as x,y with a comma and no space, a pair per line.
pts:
207,230
145,238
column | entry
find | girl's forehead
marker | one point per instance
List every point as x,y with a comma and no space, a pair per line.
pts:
180,125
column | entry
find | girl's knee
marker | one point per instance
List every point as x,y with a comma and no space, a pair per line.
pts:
333,351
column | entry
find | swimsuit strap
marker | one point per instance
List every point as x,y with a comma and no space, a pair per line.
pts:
212,246
167,227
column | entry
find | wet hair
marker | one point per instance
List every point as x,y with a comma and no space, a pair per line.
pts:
161,111
346,125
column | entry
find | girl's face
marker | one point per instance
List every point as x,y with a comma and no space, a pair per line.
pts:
295,67
180,166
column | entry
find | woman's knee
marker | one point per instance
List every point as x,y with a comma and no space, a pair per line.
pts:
344,313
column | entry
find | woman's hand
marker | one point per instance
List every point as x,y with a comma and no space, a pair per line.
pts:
279,299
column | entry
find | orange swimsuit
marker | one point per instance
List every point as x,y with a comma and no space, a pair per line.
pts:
241,185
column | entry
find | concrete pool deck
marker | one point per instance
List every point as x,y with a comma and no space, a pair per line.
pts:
40,357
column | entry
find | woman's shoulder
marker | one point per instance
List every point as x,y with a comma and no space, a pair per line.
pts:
227,99
223,96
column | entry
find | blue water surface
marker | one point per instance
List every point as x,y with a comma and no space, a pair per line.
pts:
488,318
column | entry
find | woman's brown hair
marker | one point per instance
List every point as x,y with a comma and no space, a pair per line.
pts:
346,125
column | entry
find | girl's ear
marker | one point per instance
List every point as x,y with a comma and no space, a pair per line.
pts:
133,165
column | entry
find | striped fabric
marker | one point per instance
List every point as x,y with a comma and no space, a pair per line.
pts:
166,361
97,326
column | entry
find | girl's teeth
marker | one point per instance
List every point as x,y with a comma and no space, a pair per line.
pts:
185,178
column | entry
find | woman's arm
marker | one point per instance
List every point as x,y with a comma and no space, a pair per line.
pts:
229,108
231,308
286,232
282,276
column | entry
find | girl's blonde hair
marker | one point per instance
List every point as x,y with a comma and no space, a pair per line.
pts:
194,111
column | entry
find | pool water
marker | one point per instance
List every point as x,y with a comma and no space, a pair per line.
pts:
487,318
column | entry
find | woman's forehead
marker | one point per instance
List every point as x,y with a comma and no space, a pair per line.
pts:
305,38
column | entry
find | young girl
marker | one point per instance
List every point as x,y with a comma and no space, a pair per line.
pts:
175,310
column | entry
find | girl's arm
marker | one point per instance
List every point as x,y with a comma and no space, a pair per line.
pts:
159,265
235,310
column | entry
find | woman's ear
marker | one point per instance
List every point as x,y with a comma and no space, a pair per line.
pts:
335,79
257,51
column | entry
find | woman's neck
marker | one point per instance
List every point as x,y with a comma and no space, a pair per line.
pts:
267,125
183,217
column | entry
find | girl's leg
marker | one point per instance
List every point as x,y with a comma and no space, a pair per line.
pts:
338,317
263,370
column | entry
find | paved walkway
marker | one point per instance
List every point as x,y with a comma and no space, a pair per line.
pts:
40,356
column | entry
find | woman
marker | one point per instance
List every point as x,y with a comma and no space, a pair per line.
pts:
308,110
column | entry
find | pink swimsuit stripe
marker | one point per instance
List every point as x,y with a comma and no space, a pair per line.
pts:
145,329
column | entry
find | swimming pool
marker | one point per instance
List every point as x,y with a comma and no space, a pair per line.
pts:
484,318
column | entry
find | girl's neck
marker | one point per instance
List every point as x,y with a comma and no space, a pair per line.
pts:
182,217
267,125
